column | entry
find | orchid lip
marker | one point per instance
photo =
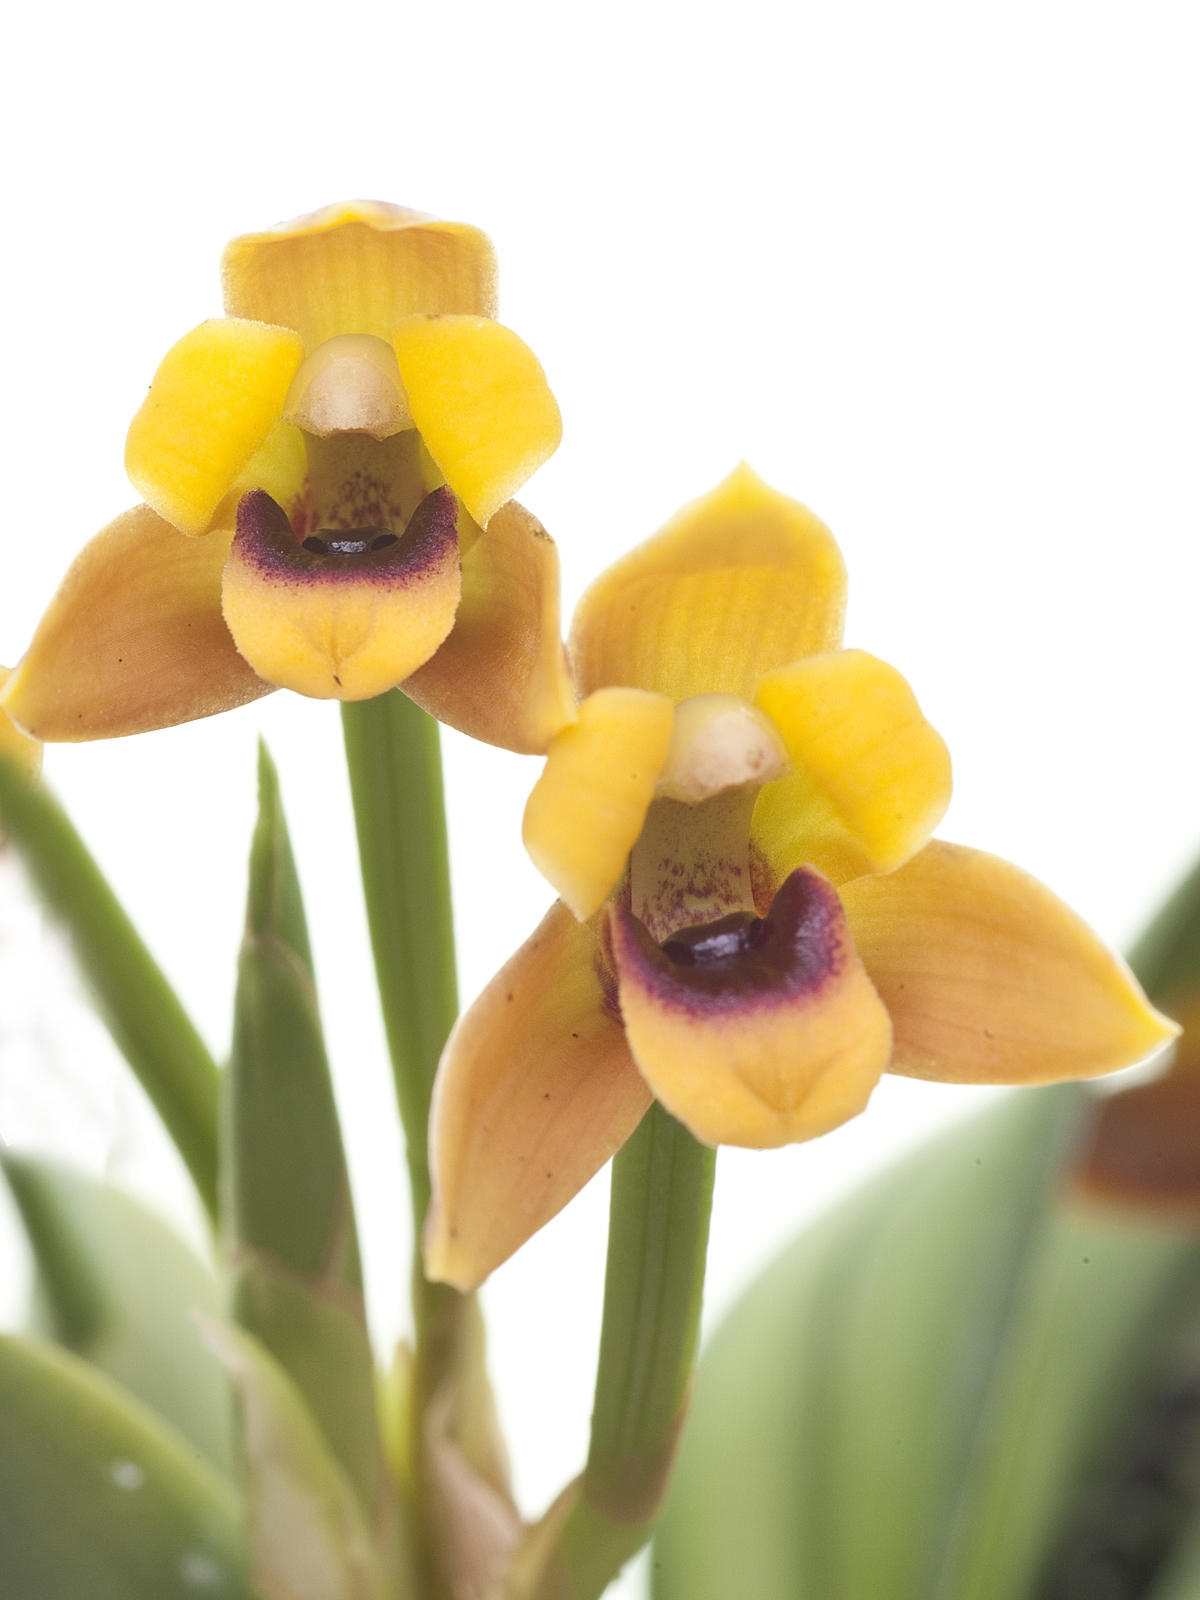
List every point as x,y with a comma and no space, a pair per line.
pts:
266,541
742,959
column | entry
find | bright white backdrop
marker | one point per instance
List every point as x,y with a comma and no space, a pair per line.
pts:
931,268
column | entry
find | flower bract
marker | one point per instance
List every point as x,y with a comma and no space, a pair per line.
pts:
328,473
755,921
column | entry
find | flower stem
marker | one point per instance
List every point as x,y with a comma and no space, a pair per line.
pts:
395,764
141,1010
662,1185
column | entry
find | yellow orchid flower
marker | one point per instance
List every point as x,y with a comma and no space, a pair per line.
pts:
333,449
755,922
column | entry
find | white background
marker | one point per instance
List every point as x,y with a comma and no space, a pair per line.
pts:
931,268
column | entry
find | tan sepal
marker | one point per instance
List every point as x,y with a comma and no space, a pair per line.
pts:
501,675
357,267
763,1049
872,777
480,399
216,396
586,810
738,582
990,978
133,640
535,1092
16,744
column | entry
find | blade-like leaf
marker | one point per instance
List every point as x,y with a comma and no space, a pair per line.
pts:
138,1005
307,1534
290,1221
101,1499
834,1413
120,1288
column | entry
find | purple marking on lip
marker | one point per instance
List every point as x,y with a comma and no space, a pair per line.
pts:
265,542
741,962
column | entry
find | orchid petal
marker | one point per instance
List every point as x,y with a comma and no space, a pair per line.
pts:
133,639
587,809
216,396
872,778
481,402
501,673
15,745
357,267
1142,1151
342,627
990,978
756,1033
737,583
535,1092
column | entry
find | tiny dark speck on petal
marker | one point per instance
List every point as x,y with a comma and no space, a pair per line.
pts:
549,1174
508,996
546,1096
454,1233
574,1036
337,680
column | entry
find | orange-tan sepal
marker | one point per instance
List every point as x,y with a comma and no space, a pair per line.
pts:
15,744
341,626
133,639
871,779
536,1090
990,978
585,812
481,403
1143,1148
501,675
737,583
358,266
216,396
756,1032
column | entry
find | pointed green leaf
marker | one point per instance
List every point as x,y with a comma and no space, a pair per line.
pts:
307,1535
120,1289
138,1005
290,1223
835,1409
101,1499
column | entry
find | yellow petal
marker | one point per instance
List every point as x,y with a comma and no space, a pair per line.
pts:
587,808
535,1092
216,396
133,639
480,399
501,675
340,627
358,267
990,978
872,777
758,1033
15,745
737,583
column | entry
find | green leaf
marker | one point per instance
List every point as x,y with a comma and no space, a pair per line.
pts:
290,1221
307,1533
120,1288
1166,957
836,1408
138,1005
101,1499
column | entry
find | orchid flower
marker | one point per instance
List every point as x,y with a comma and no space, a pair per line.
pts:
755,922
319,468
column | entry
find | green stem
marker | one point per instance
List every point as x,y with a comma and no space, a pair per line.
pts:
138,1005
662,1184
395,764
394,759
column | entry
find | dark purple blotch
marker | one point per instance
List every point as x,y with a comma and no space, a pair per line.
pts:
742,961
265,542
